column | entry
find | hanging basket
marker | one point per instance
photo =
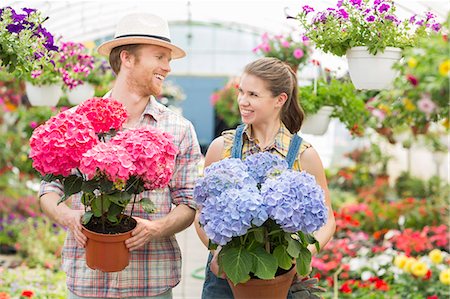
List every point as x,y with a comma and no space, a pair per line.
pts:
276,288
369,71
317,124
80,93
107,252
45,95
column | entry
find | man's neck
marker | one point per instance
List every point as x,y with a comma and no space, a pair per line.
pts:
134,103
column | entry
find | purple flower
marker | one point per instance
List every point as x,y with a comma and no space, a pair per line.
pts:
355,2
377,2
384,8
15,28
430,16
339,3
307,9
29,10
295,201
412,19
262,165
370,18
436,27
392,18
420,22
343,13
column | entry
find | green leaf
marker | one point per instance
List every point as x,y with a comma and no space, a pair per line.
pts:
97,205
237,263
89,186
148,205
283,258
304,261
294,246
86,217
115,210
259,234
265,265
72,185
119,198
112,218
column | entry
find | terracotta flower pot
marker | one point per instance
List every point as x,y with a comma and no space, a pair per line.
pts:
106,252
276,288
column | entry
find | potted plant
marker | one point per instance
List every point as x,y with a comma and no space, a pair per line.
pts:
75,64
334,98
101,76
263,216
24,41
86,151
294,53
27,50
368,33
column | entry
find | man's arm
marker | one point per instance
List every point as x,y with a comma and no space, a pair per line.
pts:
63,215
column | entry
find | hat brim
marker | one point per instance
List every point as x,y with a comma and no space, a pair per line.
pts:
106,47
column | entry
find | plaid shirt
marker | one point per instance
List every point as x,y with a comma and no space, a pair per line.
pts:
250,145
155,268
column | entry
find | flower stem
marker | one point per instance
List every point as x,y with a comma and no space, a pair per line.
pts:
132,206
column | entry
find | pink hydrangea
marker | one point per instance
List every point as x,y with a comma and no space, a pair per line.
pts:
153,153
57,145
103,113
109,159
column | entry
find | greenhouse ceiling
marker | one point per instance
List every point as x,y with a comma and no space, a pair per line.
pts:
93,20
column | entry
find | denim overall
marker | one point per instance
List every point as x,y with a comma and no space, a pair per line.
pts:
218,288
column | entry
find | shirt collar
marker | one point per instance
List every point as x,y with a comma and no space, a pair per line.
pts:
282,139
151,109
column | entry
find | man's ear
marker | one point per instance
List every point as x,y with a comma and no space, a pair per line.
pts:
281,99
126,58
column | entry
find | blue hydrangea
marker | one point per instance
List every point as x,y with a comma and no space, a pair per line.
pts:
262,165
295,201
220,176
232,213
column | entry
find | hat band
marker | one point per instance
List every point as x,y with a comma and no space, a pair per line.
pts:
144,35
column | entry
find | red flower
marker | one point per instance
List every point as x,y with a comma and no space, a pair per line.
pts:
27,293
413,80
433,297
345,288
428,275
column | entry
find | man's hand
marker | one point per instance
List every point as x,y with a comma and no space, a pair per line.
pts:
145,231
72,220
214,266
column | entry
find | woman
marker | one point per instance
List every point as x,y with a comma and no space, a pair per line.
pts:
271,117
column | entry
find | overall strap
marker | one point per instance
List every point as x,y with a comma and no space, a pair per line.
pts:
294,146
236,150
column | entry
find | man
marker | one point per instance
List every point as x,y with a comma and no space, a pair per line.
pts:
139,54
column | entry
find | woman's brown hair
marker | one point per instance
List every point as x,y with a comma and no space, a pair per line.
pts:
279,78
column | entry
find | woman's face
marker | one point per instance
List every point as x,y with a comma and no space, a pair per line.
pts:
256,103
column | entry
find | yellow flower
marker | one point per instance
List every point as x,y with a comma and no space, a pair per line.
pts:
436,256
419,269
444,68
444,277
400,261
408,264
446,123
412,62
409,105
385,108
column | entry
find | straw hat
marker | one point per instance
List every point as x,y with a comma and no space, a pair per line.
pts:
140,28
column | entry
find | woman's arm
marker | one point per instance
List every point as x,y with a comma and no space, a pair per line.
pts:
311,163
213,154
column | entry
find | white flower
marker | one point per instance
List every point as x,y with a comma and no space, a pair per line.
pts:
366,275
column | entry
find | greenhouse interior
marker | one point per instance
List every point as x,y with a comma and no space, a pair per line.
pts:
372,79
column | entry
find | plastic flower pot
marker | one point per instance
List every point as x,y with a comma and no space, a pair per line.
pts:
107,252
276,288
45,95
317,124
369,71
80,93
